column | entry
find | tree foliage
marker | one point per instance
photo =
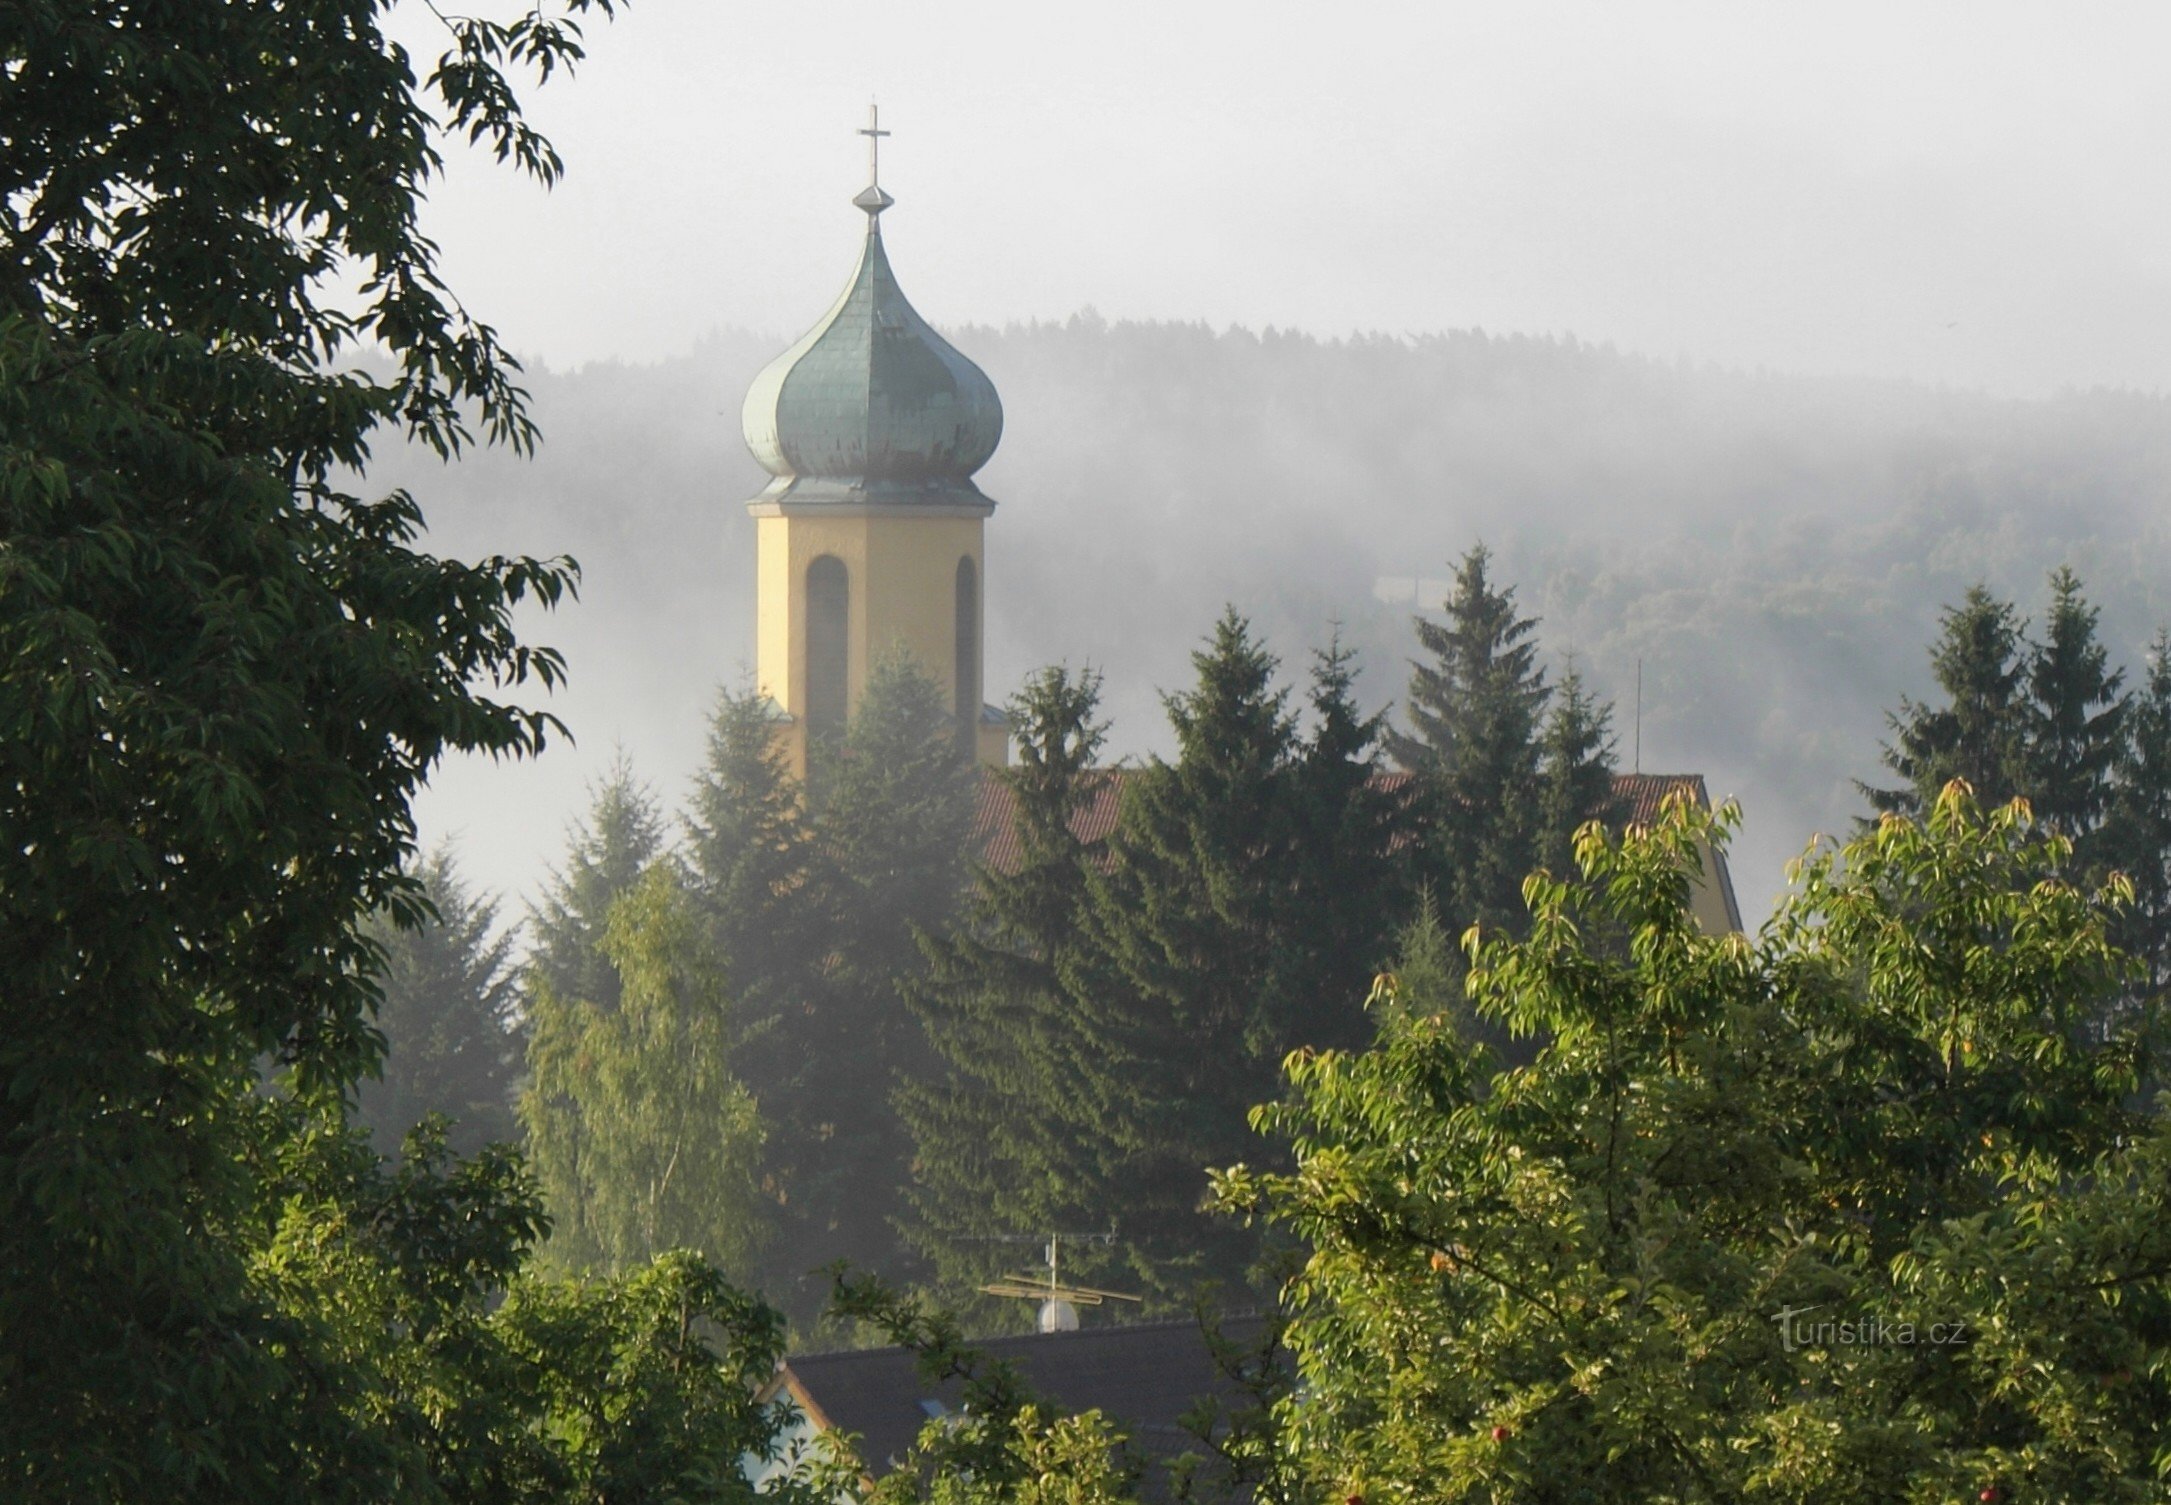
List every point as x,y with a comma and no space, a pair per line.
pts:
2053,721
222,673
1980,661
2077,713
1859,1209
1507,767
1575,771
1348,877
1005,1130
643,1136
1216,938
2138,834
893,806
474,1378
748,847
606,854
454,1034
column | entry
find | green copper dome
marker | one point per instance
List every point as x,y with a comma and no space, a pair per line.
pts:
871,406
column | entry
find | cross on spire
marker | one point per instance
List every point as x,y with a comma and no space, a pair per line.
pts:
874,133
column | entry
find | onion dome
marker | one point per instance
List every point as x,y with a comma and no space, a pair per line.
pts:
872,407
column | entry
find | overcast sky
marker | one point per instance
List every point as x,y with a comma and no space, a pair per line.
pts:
1960,193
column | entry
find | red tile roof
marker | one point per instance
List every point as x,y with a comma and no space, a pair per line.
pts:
995,833
995,824
1641,794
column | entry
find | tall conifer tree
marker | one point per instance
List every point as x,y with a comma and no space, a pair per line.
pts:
1182,934
451,1020
1575,771
2076,726
1475,711
1246,896
1010,1137
1428,970
1980,662
2139,830
606,854
1349,867
894,805
1110,1018
748,844
750,849
750,852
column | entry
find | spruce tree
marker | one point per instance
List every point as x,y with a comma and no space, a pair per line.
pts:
1475,711
747,842
1010,1136
1185,931
2139,830
896,803
1428,973
450,1017
2076,723
749,847
1575,772
1109,1019
1981,663
1348,869
894,807
606,854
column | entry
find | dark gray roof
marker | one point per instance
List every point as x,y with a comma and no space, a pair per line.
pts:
1144,1377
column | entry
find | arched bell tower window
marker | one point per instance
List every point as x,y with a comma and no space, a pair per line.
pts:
967,676
829,620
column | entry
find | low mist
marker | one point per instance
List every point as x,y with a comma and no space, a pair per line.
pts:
1773,549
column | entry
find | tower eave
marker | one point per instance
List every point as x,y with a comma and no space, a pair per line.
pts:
814,496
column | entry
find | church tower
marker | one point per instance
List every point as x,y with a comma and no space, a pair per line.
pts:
869,539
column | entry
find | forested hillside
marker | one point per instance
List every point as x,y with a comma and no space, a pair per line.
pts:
1774,548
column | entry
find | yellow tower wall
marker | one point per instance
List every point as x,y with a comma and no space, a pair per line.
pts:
1711,893
902,574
